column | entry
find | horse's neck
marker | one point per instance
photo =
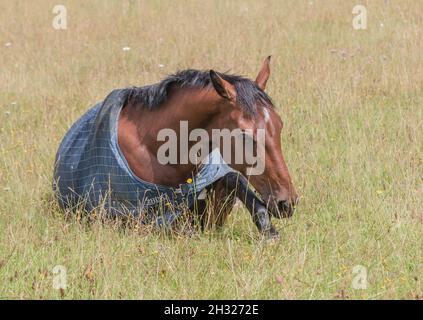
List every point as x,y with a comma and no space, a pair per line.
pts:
139,128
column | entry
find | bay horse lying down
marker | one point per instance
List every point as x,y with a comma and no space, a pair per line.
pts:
112,157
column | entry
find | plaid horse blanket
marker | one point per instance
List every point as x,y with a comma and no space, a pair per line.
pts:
91,171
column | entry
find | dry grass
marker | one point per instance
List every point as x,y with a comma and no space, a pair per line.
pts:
352,106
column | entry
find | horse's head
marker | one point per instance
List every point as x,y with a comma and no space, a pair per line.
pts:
274,184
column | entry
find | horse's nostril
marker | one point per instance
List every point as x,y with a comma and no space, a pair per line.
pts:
283,206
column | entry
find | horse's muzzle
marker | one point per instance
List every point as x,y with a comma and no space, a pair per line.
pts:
283,209
286,208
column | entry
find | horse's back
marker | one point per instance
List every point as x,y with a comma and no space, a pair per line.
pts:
88,161
71,165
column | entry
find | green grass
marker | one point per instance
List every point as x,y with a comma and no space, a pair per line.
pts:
352,104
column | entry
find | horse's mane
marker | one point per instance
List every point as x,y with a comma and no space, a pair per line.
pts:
249,95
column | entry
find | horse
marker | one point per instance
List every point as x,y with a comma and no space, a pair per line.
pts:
111,154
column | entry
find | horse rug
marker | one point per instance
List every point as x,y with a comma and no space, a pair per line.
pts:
91,171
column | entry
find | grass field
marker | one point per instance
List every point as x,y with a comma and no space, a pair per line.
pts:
352,103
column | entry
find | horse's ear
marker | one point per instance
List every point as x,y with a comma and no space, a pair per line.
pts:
222,87
264,74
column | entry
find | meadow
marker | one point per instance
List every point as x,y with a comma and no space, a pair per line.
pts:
352,104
